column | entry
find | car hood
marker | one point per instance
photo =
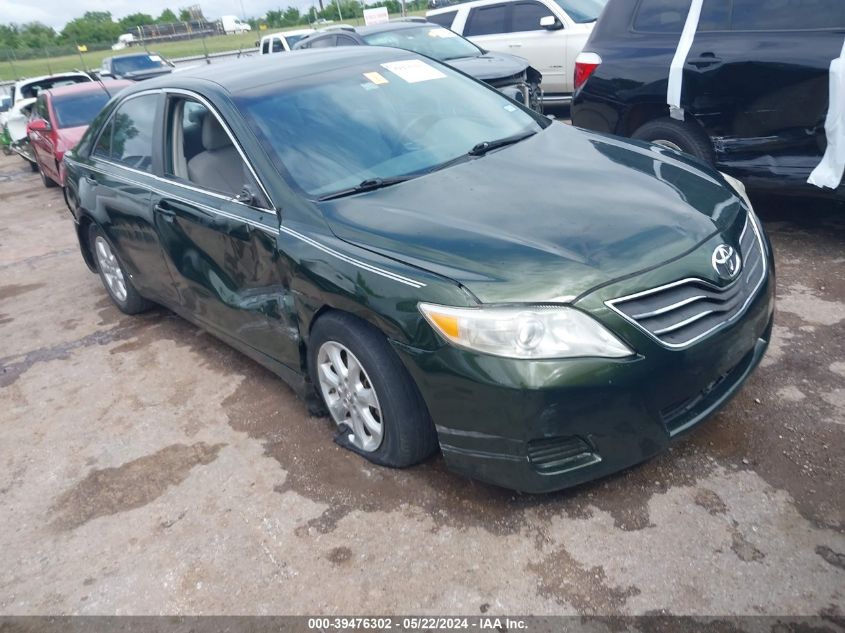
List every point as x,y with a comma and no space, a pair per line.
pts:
490,66
544,220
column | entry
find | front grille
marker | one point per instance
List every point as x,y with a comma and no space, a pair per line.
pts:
558,454
683,312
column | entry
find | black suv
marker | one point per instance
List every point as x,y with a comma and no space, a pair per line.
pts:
755,86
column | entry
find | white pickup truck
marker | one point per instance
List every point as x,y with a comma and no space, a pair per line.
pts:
283,41
548,33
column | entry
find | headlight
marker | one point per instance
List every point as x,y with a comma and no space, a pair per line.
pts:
738,187
525,331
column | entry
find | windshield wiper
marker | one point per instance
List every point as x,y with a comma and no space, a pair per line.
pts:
370,184
488,146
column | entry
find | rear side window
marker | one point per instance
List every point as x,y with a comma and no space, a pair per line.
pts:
486,20
277,45
669,16
265,47
323,42
787,15
443,19
526,16
128,138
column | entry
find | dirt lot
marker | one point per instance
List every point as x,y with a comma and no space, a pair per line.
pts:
146,468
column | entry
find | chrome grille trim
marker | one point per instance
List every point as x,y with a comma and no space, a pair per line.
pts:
645,310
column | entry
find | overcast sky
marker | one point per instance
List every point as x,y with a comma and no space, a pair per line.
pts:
57,13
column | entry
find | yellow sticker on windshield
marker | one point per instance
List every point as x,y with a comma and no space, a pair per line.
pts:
376,78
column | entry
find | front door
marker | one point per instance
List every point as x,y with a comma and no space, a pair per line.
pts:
219,234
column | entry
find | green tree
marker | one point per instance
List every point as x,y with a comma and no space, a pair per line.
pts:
94,27
291,16
36,35
167,17
136,19
9,36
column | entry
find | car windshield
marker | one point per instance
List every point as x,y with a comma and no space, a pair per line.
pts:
582,11
78,109
123,65
431,41
334,130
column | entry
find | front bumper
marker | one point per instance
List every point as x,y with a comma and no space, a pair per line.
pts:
539,426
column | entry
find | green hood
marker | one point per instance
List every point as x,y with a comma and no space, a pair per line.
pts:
544,220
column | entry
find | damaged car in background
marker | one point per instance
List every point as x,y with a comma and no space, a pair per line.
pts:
511,75
429,263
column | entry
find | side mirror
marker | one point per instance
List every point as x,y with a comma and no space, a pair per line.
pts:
550,23
39,125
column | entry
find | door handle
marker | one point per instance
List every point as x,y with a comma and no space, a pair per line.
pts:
706,59
514,45
90,179
165,210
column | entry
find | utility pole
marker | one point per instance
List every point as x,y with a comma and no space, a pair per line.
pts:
337,2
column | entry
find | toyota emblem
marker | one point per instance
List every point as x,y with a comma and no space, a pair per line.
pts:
726,261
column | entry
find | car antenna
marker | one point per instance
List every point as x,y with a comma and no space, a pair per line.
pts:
96,77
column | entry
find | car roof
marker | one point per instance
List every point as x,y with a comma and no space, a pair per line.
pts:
109,87
286,33
471,4
250,72
144,54
393,26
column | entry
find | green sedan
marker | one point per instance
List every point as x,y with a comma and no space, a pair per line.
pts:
429,263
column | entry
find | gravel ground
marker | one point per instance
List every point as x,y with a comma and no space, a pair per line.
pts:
146,468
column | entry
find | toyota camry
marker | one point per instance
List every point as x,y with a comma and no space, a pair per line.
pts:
428,262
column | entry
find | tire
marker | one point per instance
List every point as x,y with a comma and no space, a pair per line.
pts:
111,274
32,166
45,179
678,135
407,433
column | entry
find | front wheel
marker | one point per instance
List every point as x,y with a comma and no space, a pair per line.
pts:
45,179
678,136
368,392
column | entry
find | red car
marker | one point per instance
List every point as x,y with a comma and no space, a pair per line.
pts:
60,117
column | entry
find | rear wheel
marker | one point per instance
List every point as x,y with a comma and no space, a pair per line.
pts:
368,392
32,165
45,179
678,136
115,280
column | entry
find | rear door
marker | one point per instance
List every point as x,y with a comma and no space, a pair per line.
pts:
219,240
759,82
120,177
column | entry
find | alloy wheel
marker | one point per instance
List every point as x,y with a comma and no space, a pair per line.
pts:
350,395
110,267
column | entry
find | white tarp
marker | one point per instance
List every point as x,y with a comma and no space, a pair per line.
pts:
829,172
676,70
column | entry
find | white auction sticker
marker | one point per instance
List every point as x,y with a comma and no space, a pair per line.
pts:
413,70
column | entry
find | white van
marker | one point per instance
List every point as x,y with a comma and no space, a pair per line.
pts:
548,33
233,25
283,41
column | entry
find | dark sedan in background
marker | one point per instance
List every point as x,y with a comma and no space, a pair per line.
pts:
509,74
135,66
429,261
756,83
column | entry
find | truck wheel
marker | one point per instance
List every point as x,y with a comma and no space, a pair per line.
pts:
679,136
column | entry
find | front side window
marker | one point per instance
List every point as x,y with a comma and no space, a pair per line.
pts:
128,138
277,45
332,131
201,152
431,41
487,20
526,16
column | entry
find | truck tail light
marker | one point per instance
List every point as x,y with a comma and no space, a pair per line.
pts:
585,66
